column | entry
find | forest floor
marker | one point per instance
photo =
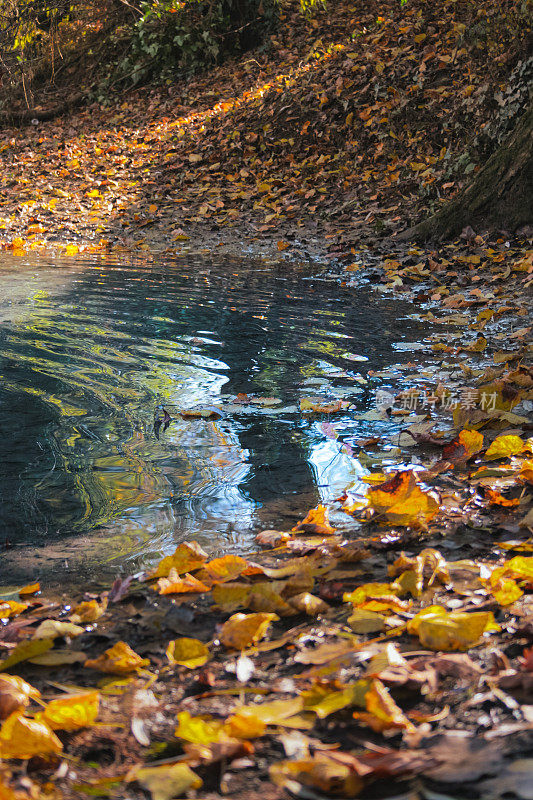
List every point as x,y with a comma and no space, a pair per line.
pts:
392,658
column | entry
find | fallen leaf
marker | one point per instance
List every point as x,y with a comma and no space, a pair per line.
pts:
187,652
242,630
118,660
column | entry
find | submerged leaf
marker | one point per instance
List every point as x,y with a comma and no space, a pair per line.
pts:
439,629
187,652
118,660
24,738
242,630
71,712
167,781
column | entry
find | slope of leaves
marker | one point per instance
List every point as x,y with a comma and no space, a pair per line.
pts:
354,120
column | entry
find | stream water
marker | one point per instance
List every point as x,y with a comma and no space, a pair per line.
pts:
90,347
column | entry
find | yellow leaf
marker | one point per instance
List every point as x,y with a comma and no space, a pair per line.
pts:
118,660
223,569
242,630
439,629
472,441
26,650
364,621
31,588
427,568
187,652
309,604
71,712
15,694
376,597
505,446
176,585
382,713
199,730
93,193
229,597
505,591
88,611
11,608
316,522
53,628
330,777
152,209
24,738
525,474
57,658
272,713
71,249
187,557
167,781
324,699
402,501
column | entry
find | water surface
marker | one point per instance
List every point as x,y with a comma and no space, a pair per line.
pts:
90,348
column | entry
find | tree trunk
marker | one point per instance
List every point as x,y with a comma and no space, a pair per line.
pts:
500,197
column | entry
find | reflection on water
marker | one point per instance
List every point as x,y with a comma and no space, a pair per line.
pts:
89,349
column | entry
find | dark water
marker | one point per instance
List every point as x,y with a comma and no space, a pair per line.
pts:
88,349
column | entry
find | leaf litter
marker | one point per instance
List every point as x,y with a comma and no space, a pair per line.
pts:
386,655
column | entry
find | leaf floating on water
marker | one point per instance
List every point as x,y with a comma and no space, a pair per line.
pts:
31,588
223,569
53,628
118,660
205,412
243,630
323,406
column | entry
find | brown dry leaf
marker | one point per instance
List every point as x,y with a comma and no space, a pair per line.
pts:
118,660
176,585
242,630
323,406
496,499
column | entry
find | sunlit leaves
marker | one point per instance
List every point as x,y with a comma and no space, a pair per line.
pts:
324,774
176,585
21,737
505,446
11,608
316,522
119,659
71,712
88,611
324,699
187,557
186,652
439,629
401,501
242,630
382,713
